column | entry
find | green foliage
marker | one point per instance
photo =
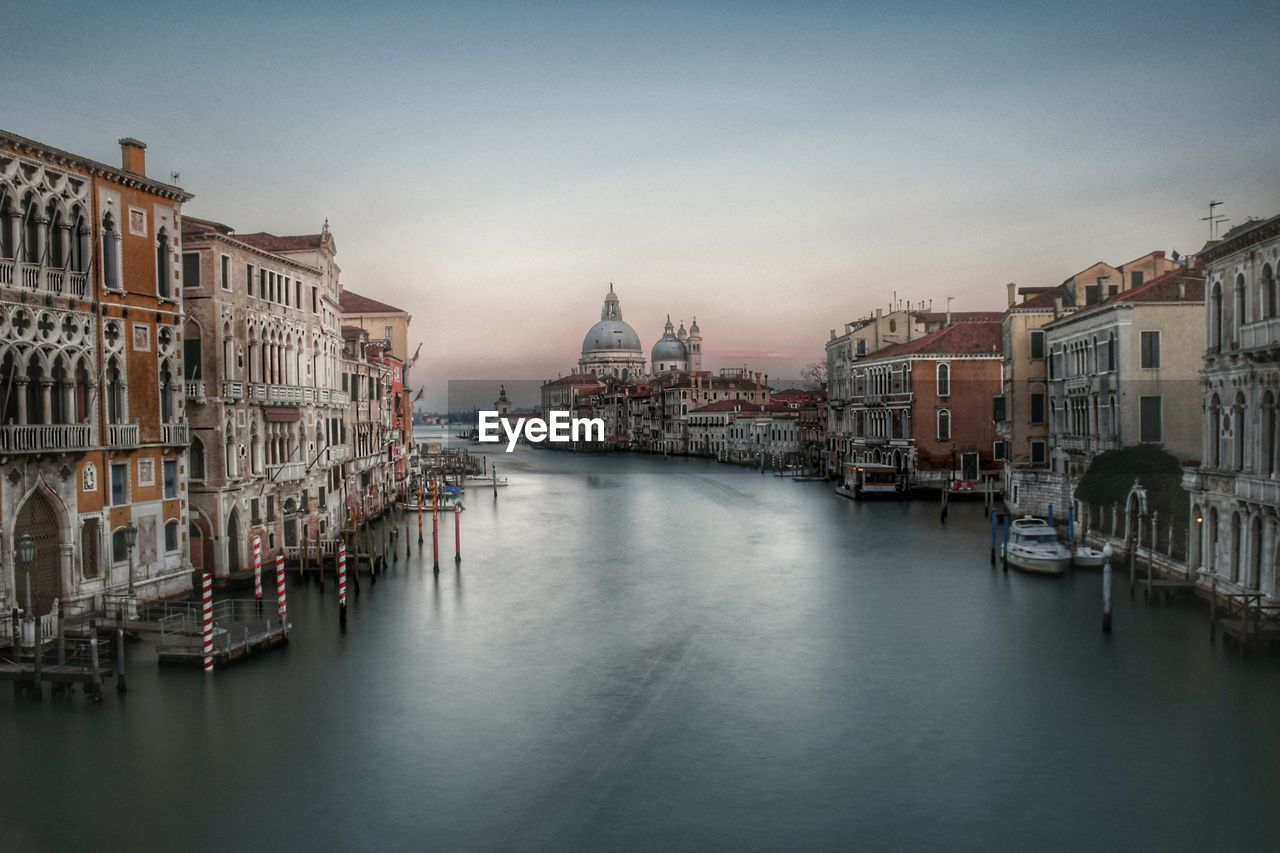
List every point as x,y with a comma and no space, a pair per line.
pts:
1111,475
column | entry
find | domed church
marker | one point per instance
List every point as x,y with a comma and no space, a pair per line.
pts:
677,351
612,347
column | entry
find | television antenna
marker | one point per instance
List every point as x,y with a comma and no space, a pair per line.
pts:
1214,219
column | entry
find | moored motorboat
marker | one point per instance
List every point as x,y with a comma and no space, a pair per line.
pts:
1033,546
1087,557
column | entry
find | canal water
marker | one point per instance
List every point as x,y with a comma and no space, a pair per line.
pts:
647,653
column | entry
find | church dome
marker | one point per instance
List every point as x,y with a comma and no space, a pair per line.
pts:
612,333
668,349
611,336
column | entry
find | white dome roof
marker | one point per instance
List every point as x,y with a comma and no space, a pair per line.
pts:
668,349
611,336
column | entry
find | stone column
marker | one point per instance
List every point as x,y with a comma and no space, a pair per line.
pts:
22,382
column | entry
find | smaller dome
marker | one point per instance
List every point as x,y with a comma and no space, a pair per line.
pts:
682,334
693,329
668,349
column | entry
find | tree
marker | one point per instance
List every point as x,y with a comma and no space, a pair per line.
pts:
814,375
1111,475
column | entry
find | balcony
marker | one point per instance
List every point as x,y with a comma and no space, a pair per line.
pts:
1264,333
1256,488
175,434
286,472
46,438
195,391
233,390
339,453
122,435
39,279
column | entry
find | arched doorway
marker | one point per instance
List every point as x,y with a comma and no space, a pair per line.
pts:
233,542
40,521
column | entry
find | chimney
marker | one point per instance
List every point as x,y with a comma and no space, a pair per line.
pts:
1182,289
833,334
1057,307
1012,299
133,156
877,328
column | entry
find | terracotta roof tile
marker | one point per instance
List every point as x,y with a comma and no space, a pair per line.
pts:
353,303
966,338
1165,289
273,243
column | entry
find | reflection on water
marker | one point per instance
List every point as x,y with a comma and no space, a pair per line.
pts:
639,652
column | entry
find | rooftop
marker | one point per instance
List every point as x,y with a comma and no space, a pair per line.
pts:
354,303
971,337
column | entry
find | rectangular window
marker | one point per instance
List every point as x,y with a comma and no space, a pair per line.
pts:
1151,411
119,484
321,497
255,511
999,409
1136,278
284,291
1150,350
190,269
1037,343
1037,408
171,536
248,279
271,509
297,293
386,332
1037,453
224,271
315,300
170,478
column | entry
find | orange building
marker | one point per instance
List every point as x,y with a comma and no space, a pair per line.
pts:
92,445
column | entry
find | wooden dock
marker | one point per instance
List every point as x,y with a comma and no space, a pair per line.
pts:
86,662
241,628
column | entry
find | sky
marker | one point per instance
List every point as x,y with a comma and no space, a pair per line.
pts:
775,170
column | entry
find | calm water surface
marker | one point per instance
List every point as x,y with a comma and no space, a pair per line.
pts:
648,653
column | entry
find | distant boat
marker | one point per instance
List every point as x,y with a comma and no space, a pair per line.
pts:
1033,546
482,480
864,480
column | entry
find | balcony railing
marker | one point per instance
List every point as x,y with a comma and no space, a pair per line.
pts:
1264,333
175,434
274,394
40,279
339,453
122,435
45,438
195,391
233,390
286,472
1258,489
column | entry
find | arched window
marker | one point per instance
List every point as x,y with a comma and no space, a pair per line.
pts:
1215,317
1268,465
171,535
119,549
1238,443
110,253
944,425
1216,426
78,258
115,392
944,380
90,548
164,265
31,231
1253,578
6,236
192,350
168,396
1212,556
195,458
1270,296
229,457
1236,549
55,251
1238,318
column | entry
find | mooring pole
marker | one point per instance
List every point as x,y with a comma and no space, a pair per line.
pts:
342,585
122,686
993,538
257,571
1106,588
420,499
495,482
206,618
1004,542
457,534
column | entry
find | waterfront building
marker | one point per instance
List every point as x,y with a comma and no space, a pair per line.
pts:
388,327
94,420
1235,488
369,480
262,380
862,338
923,406
1118,371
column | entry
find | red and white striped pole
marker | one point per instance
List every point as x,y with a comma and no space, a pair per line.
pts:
342,584
257,570
206,604
280,598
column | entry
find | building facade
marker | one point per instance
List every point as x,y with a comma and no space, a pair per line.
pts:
1235,488
94,424
262,382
